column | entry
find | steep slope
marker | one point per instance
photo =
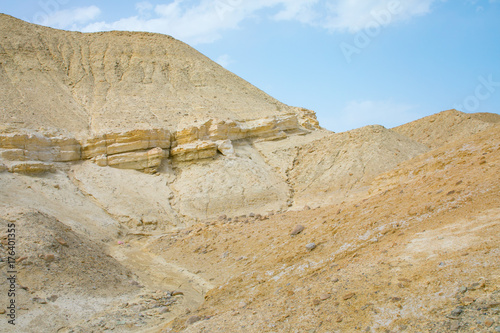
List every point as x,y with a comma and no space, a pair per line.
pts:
447,126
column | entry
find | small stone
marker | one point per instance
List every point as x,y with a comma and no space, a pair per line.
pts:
462,290
2,311
164,309
339,319
454,325
242,305
457,311
324,297
49,257
488,322
316,302
40,300
311,246
61,241
348,296
52,298
335,280
193,319
297,230
477,285
177,293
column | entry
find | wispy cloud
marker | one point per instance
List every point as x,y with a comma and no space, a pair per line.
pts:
69,18
224,60
203,21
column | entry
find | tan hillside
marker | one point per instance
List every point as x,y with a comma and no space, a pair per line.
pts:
438,129
154,191
115,81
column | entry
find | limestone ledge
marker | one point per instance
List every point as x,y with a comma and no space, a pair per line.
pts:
117,143
31,168
145,149
38,147
219,130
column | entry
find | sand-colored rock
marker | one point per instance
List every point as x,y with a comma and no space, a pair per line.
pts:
149,160
31,168
197,150
225,147
39,147
124,142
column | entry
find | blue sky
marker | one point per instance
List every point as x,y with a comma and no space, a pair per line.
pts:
354,62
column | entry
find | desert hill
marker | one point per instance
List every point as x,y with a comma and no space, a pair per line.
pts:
154,191
108,82
447,126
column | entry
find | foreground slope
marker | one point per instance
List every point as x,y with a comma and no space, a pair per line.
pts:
418,253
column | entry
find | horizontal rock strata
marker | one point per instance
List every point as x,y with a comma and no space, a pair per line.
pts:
143,149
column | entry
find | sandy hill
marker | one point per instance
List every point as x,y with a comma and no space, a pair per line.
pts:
447,126
154,191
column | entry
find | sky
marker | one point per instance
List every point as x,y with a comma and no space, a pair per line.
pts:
354,62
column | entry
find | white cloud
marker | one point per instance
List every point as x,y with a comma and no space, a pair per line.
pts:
224,60
68,18
355,15
143,8
358,114
203,21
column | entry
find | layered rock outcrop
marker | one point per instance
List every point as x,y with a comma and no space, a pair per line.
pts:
145,149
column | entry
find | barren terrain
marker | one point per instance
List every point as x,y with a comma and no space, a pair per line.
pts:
151,190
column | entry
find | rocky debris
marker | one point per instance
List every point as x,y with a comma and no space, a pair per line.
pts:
348,296
324,297
147,309
225,147
61,241
311,246
193,319
297,230
52,298
39,300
